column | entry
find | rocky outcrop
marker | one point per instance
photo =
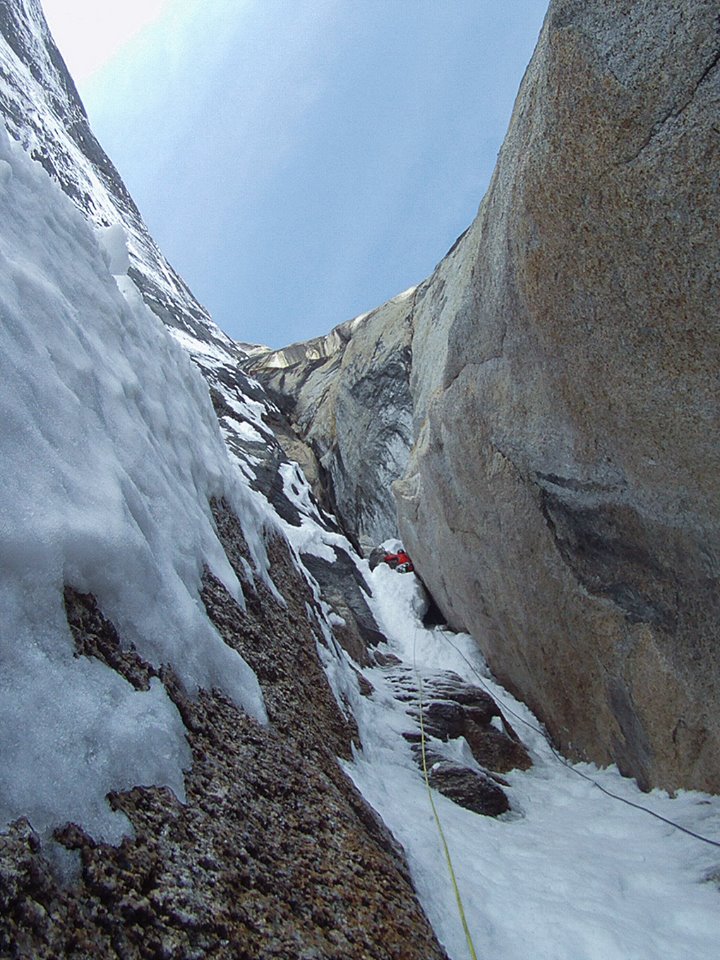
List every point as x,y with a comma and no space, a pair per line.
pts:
454,710
468,788
343,587
566,398
348,398
274,853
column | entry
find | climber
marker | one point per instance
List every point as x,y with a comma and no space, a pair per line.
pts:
399,561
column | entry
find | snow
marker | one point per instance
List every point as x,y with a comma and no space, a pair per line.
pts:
297,489
251,410
113,241
210,353
244,431
406,294
569,873
111,452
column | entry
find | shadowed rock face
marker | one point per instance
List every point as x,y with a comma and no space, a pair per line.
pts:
565,383
348,397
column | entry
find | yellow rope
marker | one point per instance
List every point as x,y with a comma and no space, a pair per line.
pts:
448,858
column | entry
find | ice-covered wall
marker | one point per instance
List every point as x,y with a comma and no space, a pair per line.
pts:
111,454
173,700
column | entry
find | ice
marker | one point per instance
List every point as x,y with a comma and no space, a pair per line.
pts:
110,454
74,730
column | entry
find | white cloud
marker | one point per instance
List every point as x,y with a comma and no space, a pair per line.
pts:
90,33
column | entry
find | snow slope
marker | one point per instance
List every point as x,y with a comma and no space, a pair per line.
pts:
111,452
569,873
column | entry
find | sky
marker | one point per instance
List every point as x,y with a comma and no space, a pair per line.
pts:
300,163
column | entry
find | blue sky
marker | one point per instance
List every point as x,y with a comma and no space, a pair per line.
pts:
300,162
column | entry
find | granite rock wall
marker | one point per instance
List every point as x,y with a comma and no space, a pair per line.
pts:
562,496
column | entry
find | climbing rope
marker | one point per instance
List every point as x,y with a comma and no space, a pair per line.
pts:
448,858
566,763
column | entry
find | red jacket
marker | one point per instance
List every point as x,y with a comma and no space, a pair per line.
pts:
398,559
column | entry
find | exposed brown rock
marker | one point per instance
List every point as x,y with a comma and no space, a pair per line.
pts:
464,710
451,709
495,750
95,636
469,788
275,854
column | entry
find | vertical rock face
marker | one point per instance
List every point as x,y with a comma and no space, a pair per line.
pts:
565,380
349,399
